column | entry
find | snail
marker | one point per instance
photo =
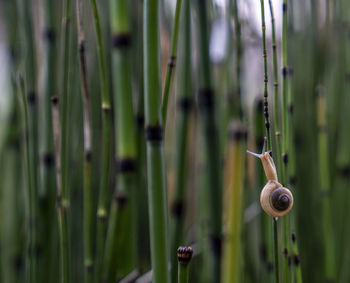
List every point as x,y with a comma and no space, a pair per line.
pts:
275,199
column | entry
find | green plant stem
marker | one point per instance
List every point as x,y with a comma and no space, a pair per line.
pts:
234,195
239,57
276,103
61,206
276,253
106,151
184,103
266,80
206,101
296,260
88,194
48,229
122,220
156,178
324,174
171,61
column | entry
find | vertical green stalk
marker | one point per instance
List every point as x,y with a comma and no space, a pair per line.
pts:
106,150
156,178
184,256
206,100
285,136
29,73
234,196
121,235
266,80
62,206
185,101
324,175
295,260
171,61
88,194
275,249
276,103
48,232
62,189
239,51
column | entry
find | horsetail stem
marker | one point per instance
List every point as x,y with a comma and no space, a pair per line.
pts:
62,205
266,80
207,112
234,196
171,61
88,210
106,150
123,211
156,178
184,103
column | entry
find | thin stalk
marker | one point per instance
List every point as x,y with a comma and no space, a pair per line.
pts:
239,57
266,80
285,135
324,173
48,184
276,253
296,260
122,221
276,102
171,61
206,101
184,255
185,101
106,150
88,194
156,178
29,72
234,196
61,205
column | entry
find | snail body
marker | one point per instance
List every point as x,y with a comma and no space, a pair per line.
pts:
275,199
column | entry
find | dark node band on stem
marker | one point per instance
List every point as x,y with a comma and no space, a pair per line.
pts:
206,99
177,208
49,35
216,243
120,198
154,133
121,40
285,252
106,108
54,100
126,164
344,171
88,266
31,97
88,156
172,61
285,158
48,159
140,119
81,46
269,267
284,7
296,260
185,104
284,71
237,132
184,254
293,237
292,180
290,108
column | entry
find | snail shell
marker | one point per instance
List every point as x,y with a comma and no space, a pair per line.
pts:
275,199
